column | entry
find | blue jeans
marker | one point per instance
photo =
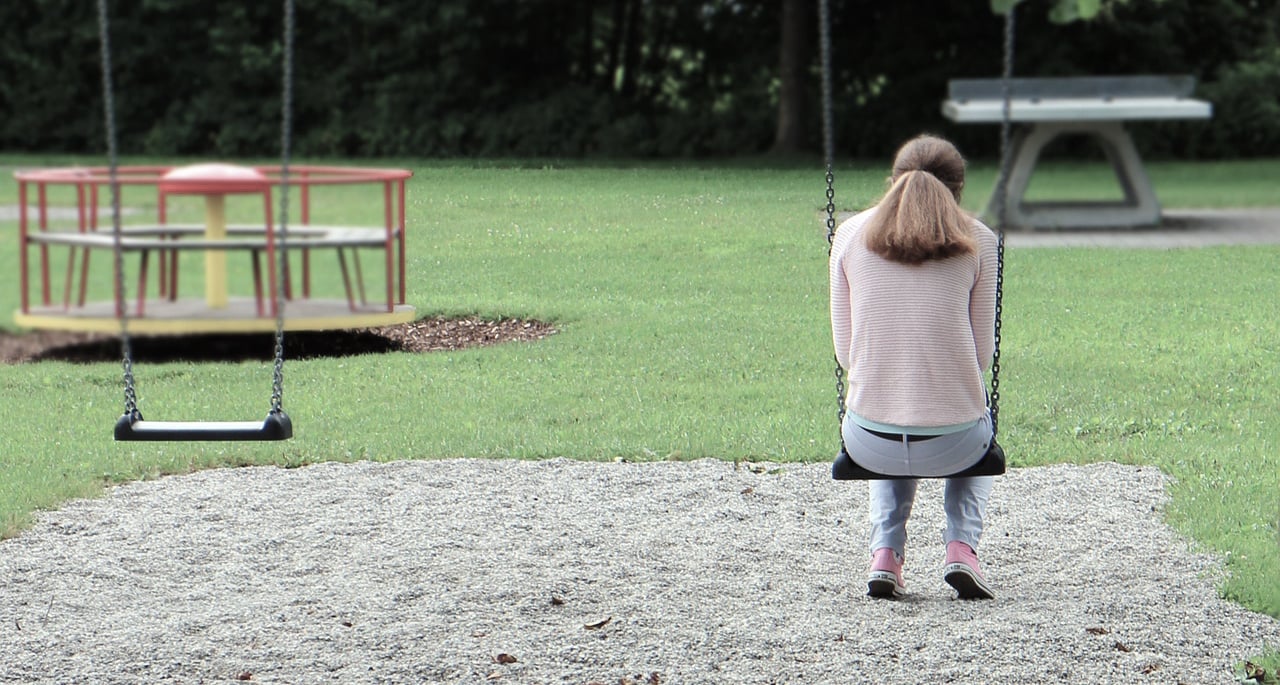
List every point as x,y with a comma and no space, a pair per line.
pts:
964,499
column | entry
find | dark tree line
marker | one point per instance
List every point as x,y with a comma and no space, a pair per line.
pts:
584,77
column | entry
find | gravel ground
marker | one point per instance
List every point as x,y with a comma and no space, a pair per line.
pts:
475,571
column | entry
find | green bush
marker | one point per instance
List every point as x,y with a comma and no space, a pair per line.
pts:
568,78
1244,123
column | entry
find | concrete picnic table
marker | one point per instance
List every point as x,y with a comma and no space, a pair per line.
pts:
1044,109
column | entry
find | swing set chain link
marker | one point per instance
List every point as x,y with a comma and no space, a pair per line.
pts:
286,136
995,353
1002,182
1002,193
113,182
828,153
831,209
840,390
828,118
108,105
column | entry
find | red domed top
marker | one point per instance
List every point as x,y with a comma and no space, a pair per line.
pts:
213,179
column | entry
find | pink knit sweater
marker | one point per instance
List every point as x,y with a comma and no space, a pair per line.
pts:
914,340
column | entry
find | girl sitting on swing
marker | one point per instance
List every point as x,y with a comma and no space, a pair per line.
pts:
913,293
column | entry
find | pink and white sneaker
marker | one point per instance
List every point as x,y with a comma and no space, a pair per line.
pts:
961,572
884,581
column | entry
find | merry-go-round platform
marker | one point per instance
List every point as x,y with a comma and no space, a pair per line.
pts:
147,255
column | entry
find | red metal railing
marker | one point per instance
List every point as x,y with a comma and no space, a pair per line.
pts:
86,181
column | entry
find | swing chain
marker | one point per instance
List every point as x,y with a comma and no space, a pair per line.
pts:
828,153
828,117
995,353
1002,194
108,106
1006,122
286,136
831,208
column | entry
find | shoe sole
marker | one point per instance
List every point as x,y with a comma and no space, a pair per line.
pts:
967,584
884,585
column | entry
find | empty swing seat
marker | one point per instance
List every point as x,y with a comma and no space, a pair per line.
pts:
276,426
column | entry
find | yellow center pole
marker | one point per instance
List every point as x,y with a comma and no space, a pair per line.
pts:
215,261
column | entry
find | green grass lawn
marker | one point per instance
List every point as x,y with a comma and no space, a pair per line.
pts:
691,303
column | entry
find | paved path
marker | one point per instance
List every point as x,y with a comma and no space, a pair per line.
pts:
1182,228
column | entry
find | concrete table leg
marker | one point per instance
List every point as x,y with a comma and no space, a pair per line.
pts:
1139,208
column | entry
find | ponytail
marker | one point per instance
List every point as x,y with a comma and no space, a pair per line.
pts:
920,218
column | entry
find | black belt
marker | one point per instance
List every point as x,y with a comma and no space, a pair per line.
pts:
899,437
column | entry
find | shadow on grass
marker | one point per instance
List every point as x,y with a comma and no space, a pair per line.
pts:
424,335
223,347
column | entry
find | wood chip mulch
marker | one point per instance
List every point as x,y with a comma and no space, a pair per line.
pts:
436,334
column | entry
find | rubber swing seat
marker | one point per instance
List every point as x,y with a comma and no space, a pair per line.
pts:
991,464
276,426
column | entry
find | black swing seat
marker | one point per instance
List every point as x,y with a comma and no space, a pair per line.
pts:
991,464
276,426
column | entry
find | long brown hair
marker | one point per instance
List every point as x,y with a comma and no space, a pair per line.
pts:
919,218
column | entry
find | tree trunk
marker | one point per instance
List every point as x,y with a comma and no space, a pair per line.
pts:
797,16
632,37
